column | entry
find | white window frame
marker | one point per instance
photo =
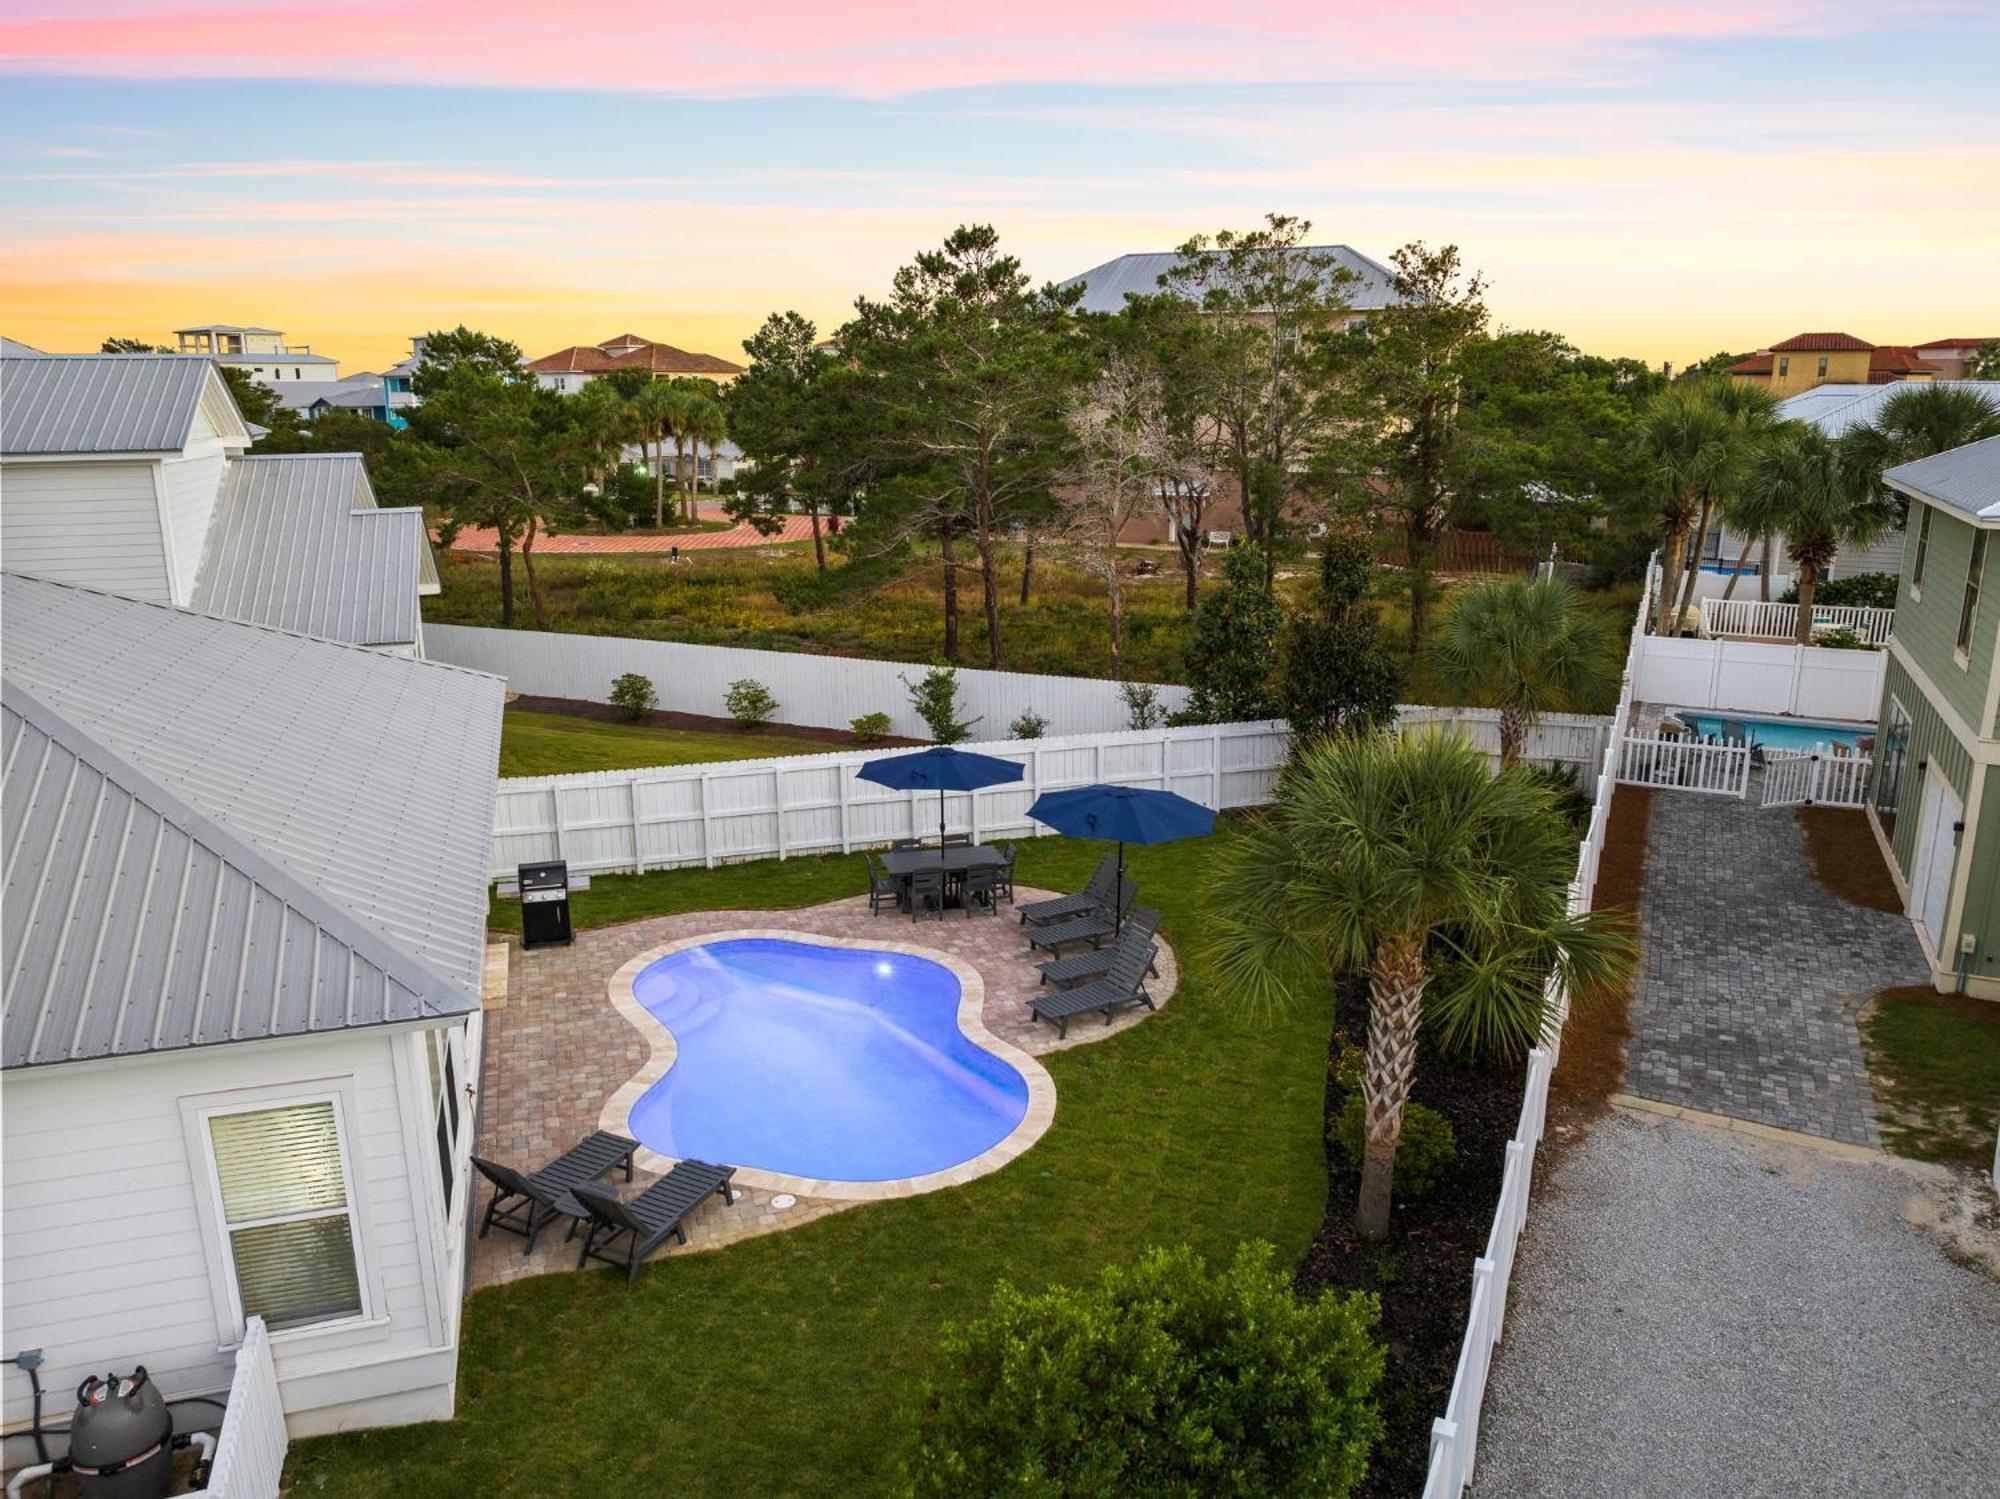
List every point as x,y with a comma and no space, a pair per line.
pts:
1923,553
196,1111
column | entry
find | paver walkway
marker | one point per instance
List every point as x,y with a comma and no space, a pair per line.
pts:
1751,972
559,1050
1701,1315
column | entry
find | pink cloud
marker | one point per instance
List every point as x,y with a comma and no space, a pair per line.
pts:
865,47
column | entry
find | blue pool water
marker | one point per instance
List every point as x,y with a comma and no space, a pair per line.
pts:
837,1063
1776,735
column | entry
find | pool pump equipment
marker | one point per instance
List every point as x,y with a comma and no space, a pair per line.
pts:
121,1440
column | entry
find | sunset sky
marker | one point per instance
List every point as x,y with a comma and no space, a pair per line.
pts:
1662,178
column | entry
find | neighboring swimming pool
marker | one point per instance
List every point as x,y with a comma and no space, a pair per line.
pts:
836,1064
1783,734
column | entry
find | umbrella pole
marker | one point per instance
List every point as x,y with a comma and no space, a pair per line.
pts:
1118,910
940,824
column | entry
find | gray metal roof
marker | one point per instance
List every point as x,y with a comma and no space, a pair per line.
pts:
13,348
297,542
1106,287
349,786
228,328
1834,408
1965,479
103,403
268,356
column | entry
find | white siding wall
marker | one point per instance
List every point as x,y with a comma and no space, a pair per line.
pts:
92,523
106,1262
191,484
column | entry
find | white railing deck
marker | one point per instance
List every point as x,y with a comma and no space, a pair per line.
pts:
249,1460
1756,620
1685,765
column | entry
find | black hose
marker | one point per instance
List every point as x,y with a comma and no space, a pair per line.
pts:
35,1427
199,1400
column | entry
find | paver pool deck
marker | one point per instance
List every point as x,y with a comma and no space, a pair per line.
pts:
561,1048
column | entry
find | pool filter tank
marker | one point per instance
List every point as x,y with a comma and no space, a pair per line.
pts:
121,1440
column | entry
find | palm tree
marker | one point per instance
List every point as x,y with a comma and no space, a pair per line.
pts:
1408,859
1752,412
1526,648
1686,439
655,410
708,426
1820,502
1918,422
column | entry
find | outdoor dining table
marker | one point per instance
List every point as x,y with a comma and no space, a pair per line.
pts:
955,861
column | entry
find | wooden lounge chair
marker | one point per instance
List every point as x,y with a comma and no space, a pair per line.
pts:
525,1203
980,890
650,1217
884,889
1093,928
1124,985
1097,893
1081,968
927,893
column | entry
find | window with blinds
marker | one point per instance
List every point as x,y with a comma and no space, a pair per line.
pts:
286,1213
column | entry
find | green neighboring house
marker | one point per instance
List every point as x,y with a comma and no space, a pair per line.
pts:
1935,802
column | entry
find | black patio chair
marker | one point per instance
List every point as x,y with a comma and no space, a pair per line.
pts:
1081,968
980,890
902,845
884,888
645,1222
1097,893
1124,985
525,1203
957,840
927,893
1010,852
1093,928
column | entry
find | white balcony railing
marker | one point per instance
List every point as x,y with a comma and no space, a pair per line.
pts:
1750,619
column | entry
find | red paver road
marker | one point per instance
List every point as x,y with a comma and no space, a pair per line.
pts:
797,528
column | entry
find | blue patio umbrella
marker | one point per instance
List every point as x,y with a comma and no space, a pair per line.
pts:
940,768
1130,814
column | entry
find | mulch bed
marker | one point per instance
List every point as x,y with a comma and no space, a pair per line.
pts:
1846,859
660,718
1600,1023
1423,1271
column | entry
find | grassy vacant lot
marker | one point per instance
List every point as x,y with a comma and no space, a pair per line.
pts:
554,744
1935,1060
770,598
786,1365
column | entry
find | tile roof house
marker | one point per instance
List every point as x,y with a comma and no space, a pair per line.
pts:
1954,356
244,916
569,370
1806,360
129,472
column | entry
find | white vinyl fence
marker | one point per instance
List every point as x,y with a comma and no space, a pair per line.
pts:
1762,621
1746,676
249,1457
1455,1434
1685,765
814,691
1804,778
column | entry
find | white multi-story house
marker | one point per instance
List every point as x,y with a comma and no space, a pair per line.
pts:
129,472
261,353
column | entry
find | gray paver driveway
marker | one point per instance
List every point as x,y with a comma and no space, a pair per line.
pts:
1751,972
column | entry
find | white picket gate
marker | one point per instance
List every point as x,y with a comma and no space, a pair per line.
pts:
249,1460
1685,765
1806,778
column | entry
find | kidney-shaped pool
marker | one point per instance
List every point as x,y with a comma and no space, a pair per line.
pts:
832,1063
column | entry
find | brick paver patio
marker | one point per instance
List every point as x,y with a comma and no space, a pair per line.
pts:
558,1050
1752,972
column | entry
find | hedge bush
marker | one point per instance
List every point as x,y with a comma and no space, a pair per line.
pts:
1859,591
1424,1152
635,694
869,728
749,701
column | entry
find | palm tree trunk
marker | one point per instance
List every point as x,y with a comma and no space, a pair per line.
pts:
1670,570
659,485
1742,560
1764,571
1513,733
1694,568
1396,981
1808,586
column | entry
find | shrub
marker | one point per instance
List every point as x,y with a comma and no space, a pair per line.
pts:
1143,708
1228,656
1857,591
1164,1377
1030,725
1423,1154
634,694
935,698
1840,638
870,727
749,702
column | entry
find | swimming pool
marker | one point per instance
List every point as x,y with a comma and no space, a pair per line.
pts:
1775,733
839,1064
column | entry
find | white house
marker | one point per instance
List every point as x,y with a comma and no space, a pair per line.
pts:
261,353
244,914
128,472
1371,287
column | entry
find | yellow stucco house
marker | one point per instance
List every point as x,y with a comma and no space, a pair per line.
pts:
1809,359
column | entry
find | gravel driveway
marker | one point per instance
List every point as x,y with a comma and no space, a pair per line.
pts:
1698,1313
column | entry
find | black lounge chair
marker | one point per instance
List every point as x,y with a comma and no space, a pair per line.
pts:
1011,852
1092,929
650,1217
1096,894
526,1203
1066,973
884,889
1124,985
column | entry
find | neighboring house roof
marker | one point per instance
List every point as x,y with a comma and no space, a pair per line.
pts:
1756,364
1965,479
1889,361
1822,343
1959,343
1106,287
222,832
271,356
298,543
228,328
349,390
110,403
636,353
1835,407
13,348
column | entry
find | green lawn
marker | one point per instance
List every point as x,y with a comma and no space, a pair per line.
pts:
785,1365
553,744
1935,1059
